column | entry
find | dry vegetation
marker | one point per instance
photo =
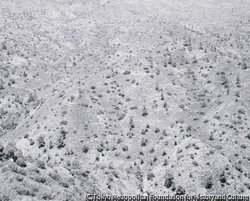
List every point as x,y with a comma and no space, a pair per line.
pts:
123,97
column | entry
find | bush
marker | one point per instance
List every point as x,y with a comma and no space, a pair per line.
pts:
48,196
222,178
55,176
40,179
1,84
157,130
209,184
144,142
64,112
144,111
125,148
150,176
1,148
21,162
14,168
180,191
85,149
4,47
169,182
64,122
26,136
9,151
41,142
211,137
51,145
60,142
99,149
5,198
31,142
24,191
63,132
40,164
195,163
64,183
5,169
19,178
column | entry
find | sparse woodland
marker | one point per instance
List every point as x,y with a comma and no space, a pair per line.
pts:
123,97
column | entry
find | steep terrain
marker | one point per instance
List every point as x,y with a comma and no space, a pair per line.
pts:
123,97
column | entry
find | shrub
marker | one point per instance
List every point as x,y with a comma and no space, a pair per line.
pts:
21,162
157,130
181,106
1,148
63,132
165,162
180,191
40,179
5,169
237,94
19,178
144,142
222,178
150,176
51,145
247,185
26,136
40,164
85,149
55,176
205,121
64,112
164,133
248,136
99,149
4,47
9,152
209,184
25,191
1,84
31,142
211,137
32,97
64,122
125,148
48,196
60,142
14,168
169,181
144,111
41,142
195,163
127,72
241,111
64,183
151,150
5,198
217,117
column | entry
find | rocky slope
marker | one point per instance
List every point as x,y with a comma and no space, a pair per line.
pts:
123,97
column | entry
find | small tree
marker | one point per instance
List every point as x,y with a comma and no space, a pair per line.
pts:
60,142
238,80
200,46
144,112
244,66
4,47
1,84
41,142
